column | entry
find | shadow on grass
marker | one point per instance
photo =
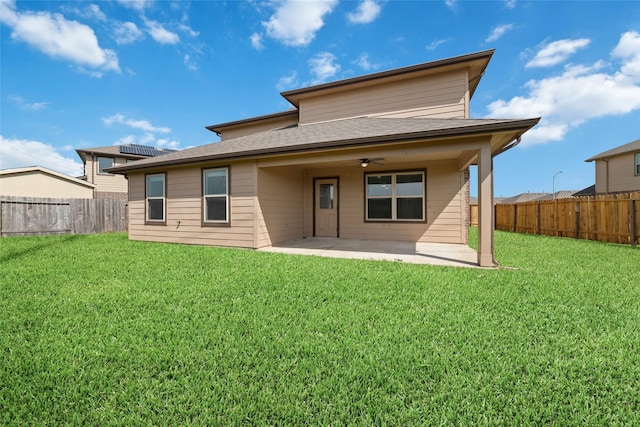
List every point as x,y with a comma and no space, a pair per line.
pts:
43,242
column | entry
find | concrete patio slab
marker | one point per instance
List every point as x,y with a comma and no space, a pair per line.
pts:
414,253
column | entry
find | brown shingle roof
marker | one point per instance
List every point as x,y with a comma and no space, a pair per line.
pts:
335,134
626,148
476,63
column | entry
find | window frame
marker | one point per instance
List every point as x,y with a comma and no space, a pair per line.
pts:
149,221
216,223
100,170
394,197
636,162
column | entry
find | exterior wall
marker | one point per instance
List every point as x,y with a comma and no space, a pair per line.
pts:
620,173
184,209
443,95
601,176
259,126
446,198
280,206
38,184
106,183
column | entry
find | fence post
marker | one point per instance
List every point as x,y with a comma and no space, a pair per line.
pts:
538,231
633,233
515,217
577,219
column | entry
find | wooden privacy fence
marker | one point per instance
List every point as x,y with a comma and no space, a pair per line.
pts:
28,216
611,218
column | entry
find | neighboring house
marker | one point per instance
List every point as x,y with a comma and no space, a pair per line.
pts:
36,181
618,169
96,160
383,156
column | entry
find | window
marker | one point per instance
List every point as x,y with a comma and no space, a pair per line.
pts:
395,196
638,164
325,198
103,163
215,189
155,191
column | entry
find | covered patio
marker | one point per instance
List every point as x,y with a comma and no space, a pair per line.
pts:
444,254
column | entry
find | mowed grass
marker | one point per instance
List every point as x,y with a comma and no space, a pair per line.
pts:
99,330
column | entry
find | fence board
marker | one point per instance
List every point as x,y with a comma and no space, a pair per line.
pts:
28,216
607,218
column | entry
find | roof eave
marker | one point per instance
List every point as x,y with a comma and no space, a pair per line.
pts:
293,96
521,125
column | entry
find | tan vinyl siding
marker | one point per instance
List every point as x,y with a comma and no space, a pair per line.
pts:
259,126
601,176
280,214
106,183
446,189
443,96
622,175
184,209
38,184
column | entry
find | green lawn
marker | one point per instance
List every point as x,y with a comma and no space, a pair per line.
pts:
99,330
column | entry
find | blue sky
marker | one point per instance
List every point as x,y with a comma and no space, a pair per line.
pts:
87,74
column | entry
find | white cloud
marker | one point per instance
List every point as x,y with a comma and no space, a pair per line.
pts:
91,11
136,124
23,104
139,5
510,4
580,93
296,22
628,49
256,41
165,143
58,37
364,62
17,153
451,4
434,44
94,10
160,34
498,32
126,140
367,11
323,67
188,30
190,64
557,52
287,82
127,32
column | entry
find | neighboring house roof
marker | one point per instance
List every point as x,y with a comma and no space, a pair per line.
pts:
563,194
363,131
623,149
45,171
130,151
589,191
521,198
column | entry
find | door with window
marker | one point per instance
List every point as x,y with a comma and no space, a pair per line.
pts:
326,207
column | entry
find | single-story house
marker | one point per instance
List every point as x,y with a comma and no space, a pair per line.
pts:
383,156
36,181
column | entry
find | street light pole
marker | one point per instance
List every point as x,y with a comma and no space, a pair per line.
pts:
553,184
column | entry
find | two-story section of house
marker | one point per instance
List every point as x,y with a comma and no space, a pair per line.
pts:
96,160
383,156
618,169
